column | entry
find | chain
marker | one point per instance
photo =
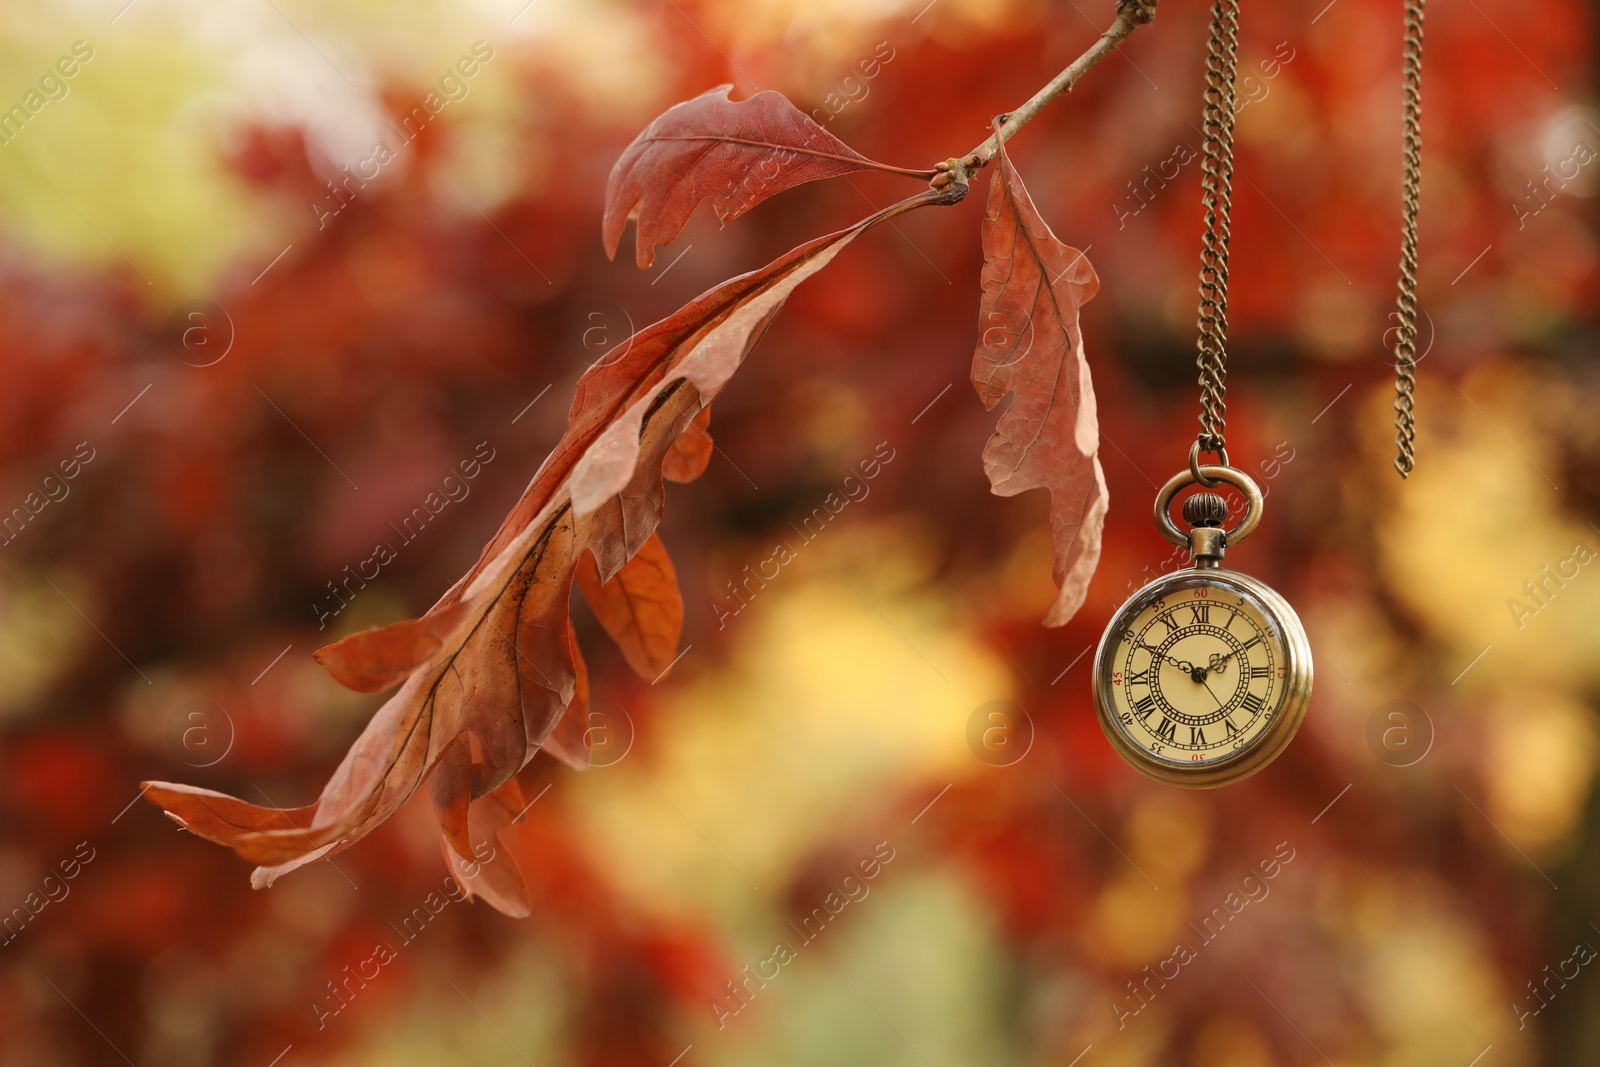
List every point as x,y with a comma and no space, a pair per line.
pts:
1405,346
1216,185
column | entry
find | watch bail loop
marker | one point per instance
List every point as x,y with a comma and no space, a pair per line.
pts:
1205,509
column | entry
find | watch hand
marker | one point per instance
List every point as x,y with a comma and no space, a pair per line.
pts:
1213,694
1182,665
1218,662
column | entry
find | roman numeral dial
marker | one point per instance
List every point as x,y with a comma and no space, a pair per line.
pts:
1194,673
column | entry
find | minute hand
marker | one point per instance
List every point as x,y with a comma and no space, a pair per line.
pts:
1217,663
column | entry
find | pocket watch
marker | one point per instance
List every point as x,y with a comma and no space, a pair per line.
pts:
1203,676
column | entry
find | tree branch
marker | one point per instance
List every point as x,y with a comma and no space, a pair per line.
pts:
1131,14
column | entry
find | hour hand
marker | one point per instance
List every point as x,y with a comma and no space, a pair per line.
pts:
1182,665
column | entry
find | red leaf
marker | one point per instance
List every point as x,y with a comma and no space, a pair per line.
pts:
1030,345
736,154
687,458
219,817
374,660
475,711
639,606
489,870
450,785
569,741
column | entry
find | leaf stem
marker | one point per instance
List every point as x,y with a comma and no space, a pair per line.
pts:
1131,14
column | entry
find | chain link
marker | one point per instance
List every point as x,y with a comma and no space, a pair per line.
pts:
1216,184
1405,346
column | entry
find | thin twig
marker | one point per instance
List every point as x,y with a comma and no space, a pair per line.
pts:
1131,14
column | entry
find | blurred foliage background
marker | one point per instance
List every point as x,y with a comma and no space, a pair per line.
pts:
158,606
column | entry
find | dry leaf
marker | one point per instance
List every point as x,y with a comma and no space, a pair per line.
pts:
375,660
1030,345
477,708
690,453
569,741
733,153
640,606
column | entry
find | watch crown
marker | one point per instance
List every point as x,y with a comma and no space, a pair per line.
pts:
1205,510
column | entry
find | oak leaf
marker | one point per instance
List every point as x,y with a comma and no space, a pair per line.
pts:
1030,346
640,606
488,672
690,453
733,153
375,660
569,741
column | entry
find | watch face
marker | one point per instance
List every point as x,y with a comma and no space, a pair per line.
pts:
1200,671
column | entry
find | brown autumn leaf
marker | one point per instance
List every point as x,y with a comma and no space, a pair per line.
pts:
1030,346
690,453
475,709
490,871
375,660
733,153
569,741
640,606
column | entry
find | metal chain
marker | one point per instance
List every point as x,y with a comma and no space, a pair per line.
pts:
1405,346
1216,184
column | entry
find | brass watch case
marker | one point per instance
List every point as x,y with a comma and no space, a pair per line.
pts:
1285,627
1207,546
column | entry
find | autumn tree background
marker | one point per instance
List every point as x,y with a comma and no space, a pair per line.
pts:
230,372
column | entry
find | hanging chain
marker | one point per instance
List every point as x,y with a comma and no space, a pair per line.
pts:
1216,190
1405,346
1216,184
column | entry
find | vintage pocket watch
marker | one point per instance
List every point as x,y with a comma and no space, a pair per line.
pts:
1203,676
